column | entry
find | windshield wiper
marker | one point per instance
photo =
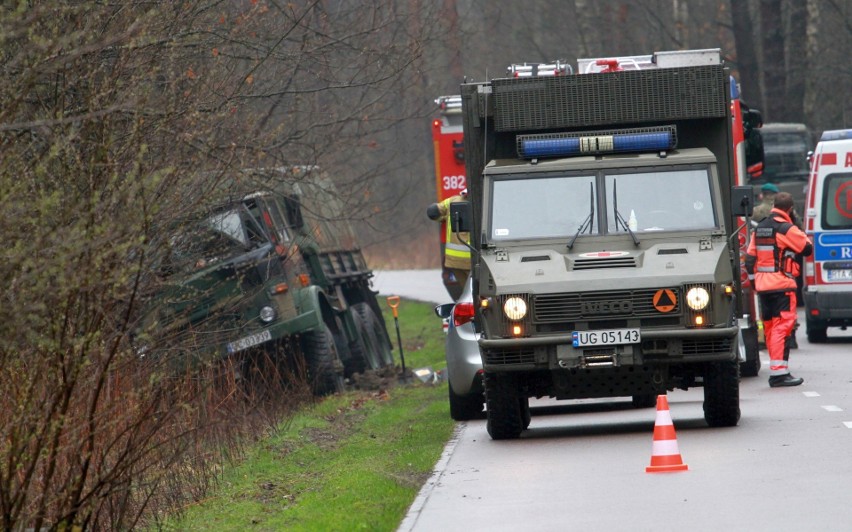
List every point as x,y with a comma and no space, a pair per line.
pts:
590,219
618,216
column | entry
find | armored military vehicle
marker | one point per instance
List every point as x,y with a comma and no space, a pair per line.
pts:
272,266
603,220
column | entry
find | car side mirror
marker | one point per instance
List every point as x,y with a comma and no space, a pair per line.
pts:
460,217
444,311
742,201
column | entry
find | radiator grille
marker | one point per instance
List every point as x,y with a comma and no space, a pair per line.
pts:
550,308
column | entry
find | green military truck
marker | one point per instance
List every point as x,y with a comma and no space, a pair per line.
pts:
602,213
273,266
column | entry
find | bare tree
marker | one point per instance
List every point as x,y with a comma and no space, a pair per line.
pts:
118,120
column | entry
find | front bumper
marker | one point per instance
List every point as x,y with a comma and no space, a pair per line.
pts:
658,346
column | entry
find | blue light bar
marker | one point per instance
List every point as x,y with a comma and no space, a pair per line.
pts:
597,142
836,134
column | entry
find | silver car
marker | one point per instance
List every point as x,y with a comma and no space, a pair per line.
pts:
464,364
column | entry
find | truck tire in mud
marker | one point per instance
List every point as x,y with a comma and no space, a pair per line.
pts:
722,394
325,370
382,354
751,366
464,407
503,409
364,355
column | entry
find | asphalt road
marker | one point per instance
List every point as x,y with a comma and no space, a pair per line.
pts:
581,465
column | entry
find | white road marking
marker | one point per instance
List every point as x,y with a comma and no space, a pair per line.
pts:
832,408
811,394
848,424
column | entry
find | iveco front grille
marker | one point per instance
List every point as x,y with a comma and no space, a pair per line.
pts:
640,303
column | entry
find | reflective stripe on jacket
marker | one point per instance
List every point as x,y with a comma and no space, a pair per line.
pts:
456,253
771,255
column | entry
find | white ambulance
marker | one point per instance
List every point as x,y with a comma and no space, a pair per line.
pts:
828,221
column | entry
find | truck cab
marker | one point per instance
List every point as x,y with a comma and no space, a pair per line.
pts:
270,267
604,225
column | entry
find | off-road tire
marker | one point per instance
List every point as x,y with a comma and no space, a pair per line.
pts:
526,415
364,355
382,354
465,407
751,366
722,394
503,409
325,370
817,332
645,400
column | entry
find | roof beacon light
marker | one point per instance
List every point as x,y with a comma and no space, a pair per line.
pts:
533,70
836,134
449,103
662,138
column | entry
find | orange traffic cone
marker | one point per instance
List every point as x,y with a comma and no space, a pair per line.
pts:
664,453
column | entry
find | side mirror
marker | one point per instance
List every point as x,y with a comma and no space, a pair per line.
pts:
445,310
293,212
460,217
742,201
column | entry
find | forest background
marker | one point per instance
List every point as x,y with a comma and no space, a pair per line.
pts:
119,118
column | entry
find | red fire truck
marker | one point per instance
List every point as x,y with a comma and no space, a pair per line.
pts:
450,179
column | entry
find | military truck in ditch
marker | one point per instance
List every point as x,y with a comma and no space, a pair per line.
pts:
273,266
603,215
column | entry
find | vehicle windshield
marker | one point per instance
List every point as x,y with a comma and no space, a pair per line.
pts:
785,156
541,207
675,200
216,238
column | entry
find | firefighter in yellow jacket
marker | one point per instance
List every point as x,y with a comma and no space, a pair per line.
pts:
771,264
456,250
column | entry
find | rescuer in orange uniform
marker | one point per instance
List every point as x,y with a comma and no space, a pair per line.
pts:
771,264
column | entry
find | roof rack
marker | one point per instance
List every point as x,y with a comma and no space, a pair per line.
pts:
531,70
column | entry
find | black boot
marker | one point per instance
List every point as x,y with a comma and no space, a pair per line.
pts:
784,380
793,343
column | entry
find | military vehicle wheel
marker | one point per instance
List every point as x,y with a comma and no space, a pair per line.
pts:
817,331
325,370
645,400
502,407
751,366
364,355
722,394
464,407
526,416
382,354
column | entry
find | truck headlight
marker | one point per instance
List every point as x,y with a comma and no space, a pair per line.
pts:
697,298
515,308
267,314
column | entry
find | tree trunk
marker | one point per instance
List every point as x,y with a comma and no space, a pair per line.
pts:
774,69
746,57
797,61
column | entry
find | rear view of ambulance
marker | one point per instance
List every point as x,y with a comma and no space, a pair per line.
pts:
828,221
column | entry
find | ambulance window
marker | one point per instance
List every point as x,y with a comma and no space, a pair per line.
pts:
837,202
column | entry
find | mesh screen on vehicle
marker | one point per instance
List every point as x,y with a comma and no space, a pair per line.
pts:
589,100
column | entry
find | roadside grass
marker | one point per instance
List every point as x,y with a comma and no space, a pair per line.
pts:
353,461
